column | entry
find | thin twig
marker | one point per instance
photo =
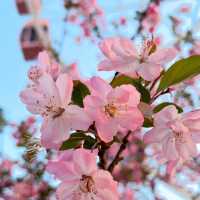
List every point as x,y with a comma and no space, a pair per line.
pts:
102,155
118,157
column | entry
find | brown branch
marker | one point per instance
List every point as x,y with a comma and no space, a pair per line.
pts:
118,157
102,155
159,94
156,80
102,152
103,147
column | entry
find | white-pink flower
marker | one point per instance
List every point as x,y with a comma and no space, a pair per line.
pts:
89,7
112,109
152,18
51,100
45,65
81,179
177,133
122,56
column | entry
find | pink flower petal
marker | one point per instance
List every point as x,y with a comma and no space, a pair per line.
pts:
131,119
84,162
149,71
107,188
63,171
169,149
156,135
76,118
54,132
66,190
44,60
107,129
167,114
98,86
49,89
162,56
65,86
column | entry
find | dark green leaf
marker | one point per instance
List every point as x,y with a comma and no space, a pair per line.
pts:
123,80
89,142
148,123
73,142
164,104
79,92
180,71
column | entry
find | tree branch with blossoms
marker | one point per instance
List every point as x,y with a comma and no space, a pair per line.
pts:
111,111
118,157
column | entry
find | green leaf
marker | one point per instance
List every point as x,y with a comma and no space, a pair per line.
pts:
123,80
74,141
164,104
79,92
148,123
89,142
180,71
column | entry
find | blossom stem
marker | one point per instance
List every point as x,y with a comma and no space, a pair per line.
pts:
118,157
102,155
157,95
155,81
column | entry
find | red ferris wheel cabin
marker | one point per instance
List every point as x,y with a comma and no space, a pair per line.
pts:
30,41
23,6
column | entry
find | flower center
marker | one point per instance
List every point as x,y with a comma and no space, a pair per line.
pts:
148,48
110,110
53,111
179,137
58,112
87,184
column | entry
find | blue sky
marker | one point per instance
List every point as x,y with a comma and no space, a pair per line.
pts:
13,68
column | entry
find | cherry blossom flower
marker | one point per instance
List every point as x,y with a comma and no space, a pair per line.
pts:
112,109
89,7
81,179
185,9
177,133
51,100
45,65
6,165
24,191
124,58
152,18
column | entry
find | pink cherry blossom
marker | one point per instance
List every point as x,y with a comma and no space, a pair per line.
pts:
89,7
152,18
45,65
112,109
51,100
23,191
6,165
81,179
185,9
123,57
177,133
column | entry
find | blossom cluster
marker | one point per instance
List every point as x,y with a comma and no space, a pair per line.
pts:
108,113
